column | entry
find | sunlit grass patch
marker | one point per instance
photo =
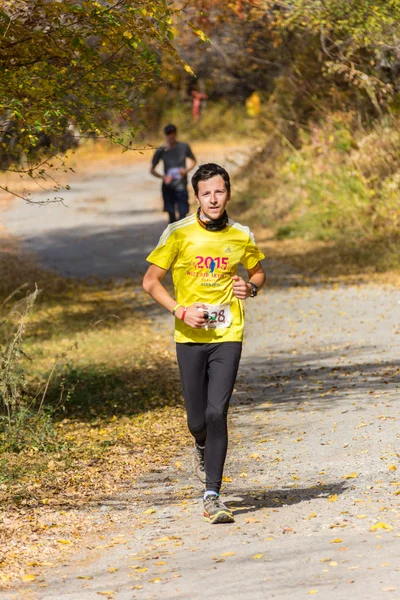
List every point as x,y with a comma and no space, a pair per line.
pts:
338,191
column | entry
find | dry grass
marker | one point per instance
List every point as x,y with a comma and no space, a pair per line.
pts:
312,262
124,416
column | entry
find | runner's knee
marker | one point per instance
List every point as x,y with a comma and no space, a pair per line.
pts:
196,429
215,416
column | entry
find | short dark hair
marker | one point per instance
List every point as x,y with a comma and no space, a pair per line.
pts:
205,172
170,128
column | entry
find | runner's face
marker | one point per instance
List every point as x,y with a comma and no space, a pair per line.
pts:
212,197
171,138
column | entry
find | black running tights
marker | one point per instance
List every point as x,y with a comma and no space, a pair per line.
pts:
208,373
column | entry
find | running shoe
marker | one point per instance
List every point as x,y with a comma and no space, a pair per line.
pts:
199,467
215,511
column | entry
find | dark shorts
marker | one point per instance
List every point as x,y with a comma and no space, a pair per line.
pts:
175,200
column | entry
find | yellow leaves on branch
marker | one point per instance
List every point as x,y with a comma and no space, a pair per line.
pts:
188,69
199,32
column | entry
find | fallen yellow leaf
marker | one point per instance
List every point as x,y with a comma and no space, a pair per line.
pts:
252,520
228,554
381,525
155,580
28,577
258,555
113,569
149,511
107,593
332,498
226,479
313,592
64,542
352,475
336,541
392,468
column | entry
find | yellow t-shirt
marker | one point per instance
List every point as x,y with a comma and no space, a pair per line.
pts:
203,263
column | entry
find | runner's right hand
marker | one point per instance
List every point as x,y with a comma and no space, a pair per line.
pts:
194,317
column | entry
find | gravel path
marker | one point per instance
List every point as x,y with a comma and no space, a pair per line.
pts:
106,225
313,470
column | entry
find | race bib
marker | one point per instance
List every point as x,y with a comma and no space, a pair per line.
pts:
219,316
174,172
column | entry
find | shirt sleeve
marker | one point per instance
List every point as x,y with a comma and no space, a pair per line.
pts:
166,250
251,255
189,153
156,157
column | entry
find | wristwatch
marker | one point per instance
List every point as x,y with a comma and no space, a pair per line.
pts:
254,291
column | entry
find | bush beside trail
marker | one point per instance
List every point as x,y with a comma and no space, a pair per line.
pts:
339,186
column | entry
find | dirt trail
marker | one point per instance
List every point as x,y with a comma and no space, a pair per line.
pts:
313,465
107,223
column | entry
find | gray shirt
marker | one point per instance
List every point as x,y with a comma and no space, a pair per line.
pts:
174,159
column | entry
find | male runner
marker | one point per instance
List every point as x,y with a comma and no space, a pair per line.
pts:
204,251
174,186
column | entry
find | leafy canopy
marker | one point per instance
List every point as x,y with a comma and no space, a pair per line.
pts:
83,61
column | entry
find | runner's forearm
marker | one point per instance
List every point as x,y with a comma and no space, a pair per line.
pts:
157,291
258,279
156,173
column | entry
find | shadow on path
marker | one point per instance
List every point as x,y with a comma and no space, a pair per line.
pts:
287,383
249,501
106,252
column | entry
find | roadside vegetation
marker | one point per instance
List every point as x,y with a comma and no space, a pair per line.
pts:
337,193
91,399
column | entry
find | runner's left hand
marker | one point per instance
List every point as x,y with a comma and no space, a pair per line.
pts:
240,287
